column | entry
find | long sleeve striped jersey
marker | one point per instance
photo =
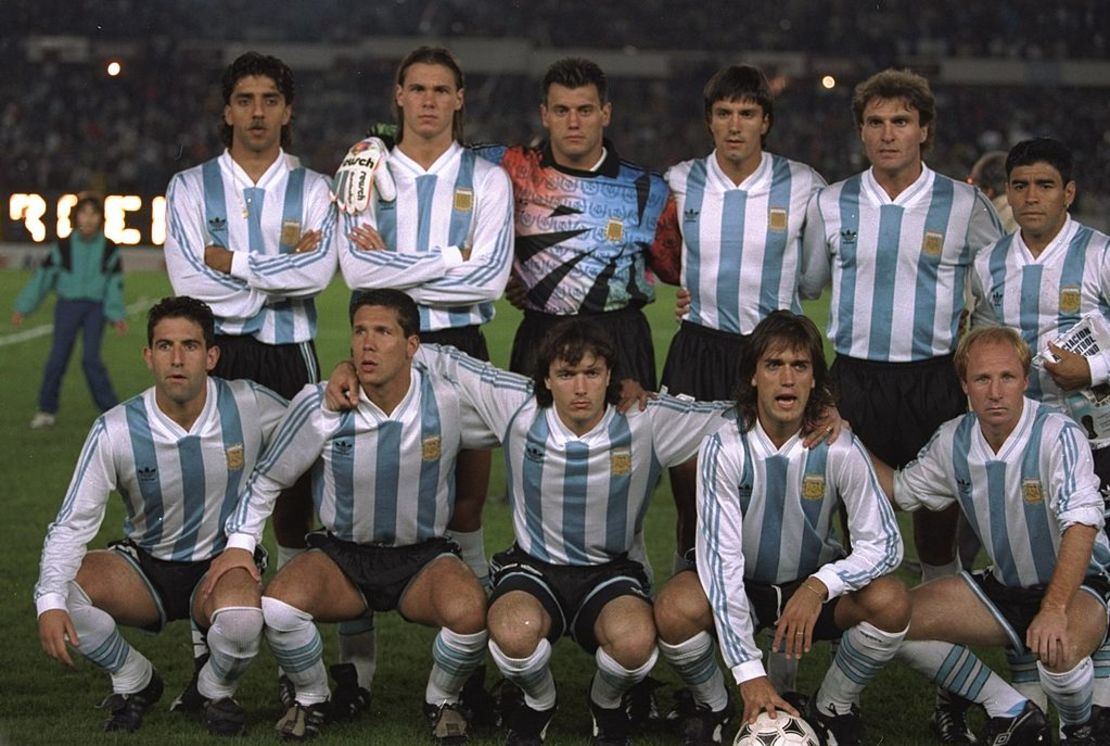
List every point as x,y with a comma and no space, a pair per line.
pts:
461,203
178,487
269,292
768,514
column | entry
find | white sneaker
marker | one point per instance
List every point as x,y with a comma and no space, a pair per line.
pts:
41,420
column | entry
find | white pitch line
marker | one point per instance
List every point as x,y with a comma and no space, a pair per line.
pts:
142,304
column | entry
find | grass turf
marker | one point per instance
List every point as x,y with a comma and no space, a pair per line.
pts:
45,703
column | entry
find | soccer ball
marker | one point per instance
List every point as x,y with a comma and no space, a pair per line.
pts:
783,730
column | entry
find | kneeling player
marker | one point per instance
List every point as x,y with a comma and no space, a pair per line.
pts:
176,453
767,555
1023,475
383,472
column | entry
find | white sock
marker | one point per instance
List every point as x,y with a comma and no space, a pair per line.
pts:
358,645
454,658
864,650
1071,691
298,649
101,642
473,546
234,639
532,674
957,670
695,664
612,679
932,572
287,553
1025,679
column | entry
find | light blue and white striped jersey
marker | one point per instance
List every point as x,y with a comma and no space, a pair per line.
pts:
1018,501
178,486
768,515
577,500
1044,296
898,267
376,478
461,202
269,293
741,245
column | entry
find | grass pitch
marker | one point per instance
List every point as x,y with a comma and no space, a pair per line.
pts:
42,702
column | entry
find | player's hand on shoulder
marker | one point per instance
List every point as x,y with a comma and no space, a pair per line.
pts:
342,389
363,170
828,428
55,630
633,394
759,695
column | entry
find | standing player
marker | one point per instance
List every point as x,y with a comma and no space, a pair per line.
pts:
766,552
1041,281
176,454
384,475
896,242
738,215
1022,475
989,174
580,475
250,235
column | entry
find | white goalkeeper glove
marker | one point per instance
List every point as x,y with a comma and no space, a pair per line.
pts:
362,171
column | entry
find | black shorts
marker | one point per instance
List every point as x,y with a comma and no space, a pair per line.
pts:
895,408
284,369
1015,608
468,339
768,600
628,329
572,595
381,573
704,363
1101,458
171,584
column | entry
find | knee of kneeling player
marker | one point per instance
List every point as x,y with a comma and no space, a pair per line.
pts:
633,648
887,603
679,616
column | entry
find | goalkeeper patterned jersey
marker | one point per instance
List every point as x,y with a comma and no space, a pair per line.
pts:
741,244
461,205
898,266
269,292
768,515
377,478
1018,501
178,486
1044,296
576,500
582,237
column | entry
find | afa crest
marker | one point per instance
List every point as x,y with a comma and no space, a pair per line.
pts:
614,231
290,232
1031,491
430,448
1069,299
464,199
234,457
813,487
620,462
777,219
933,245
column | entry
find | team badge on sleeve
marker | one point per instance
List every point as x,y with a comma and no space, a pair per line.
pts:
431,448
776,219
1031,491
934,244
1069,299
235,457
813,487
620,462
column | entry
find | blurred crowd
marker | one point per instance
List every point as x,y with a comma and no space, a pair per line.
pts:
66,125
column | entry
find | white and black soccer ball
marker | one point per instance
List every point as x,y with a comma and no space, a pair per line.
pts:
782,730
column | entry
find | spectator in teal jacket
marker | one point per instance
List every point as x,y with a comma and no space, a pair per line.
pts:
84,270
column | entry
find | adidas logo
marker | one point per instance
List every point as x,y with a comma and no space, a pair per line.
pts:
996,298
147,473
847,236
217,224
344,447
533,453
963,485
690,215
